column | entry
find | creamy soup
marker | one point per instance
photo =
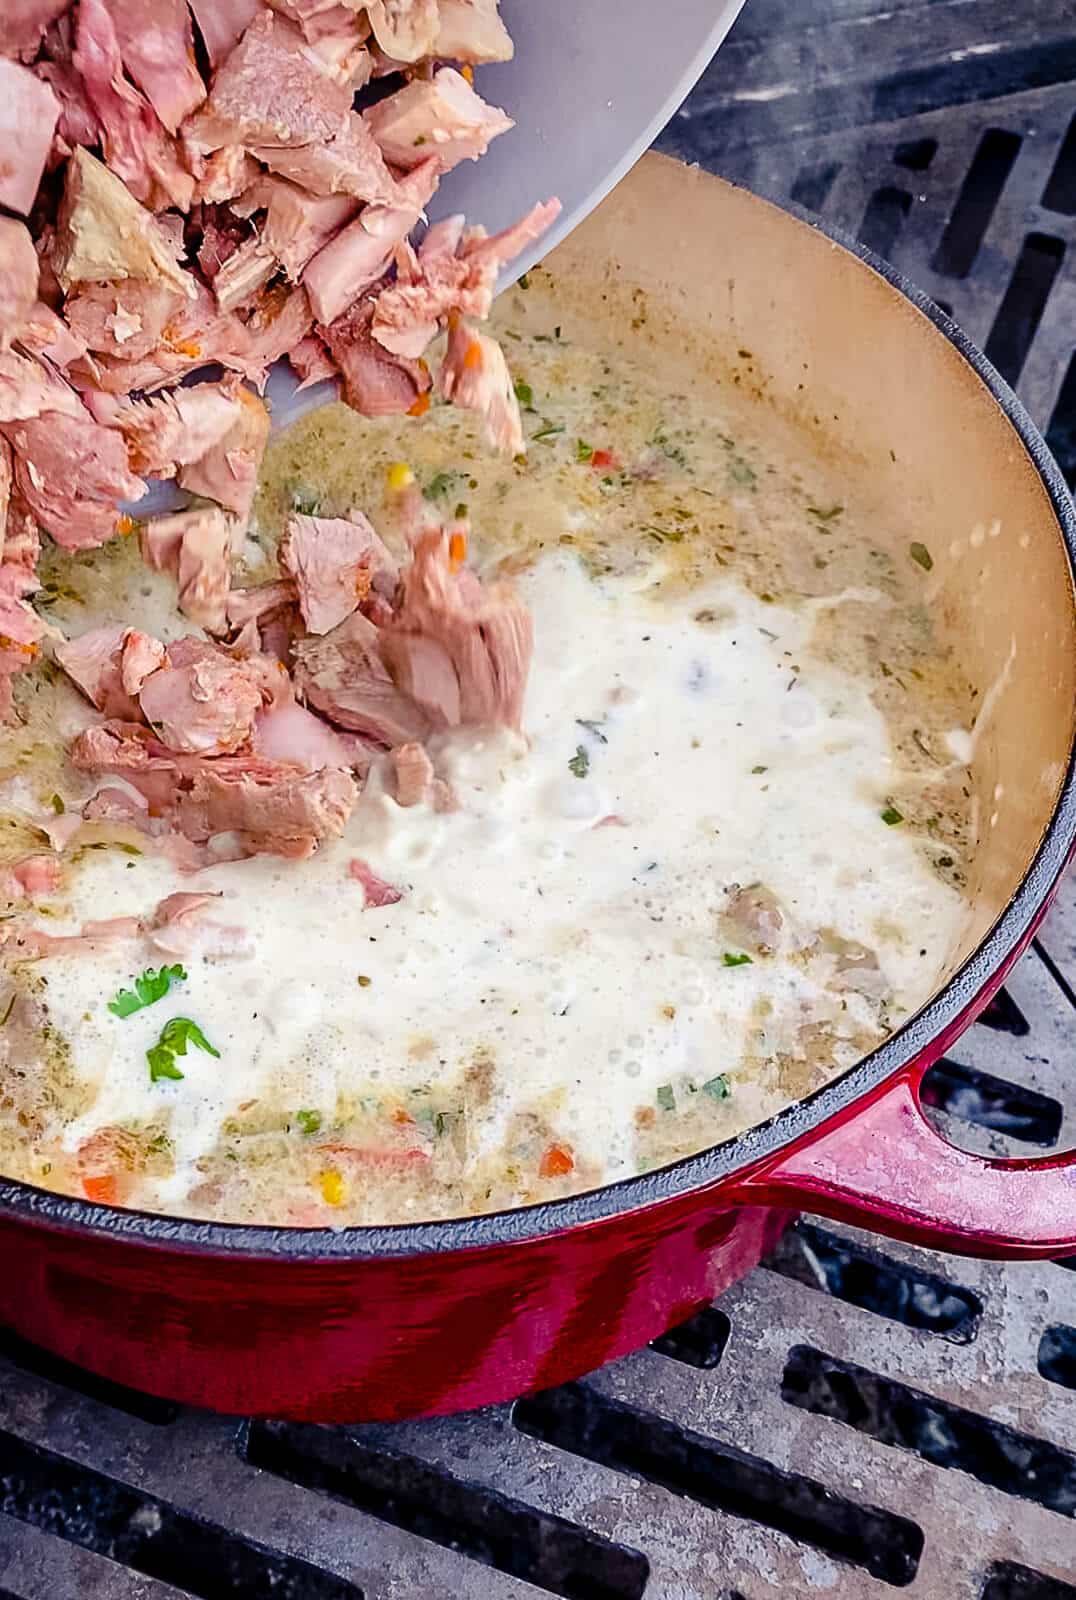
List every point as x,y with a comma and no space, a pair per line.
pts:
724,858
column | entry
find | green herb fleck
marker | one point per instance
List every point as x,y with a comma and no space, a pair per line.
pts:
57,805
440,485
460,511
583,451
548,429
524,394
580,762
309,1121
593,726
174,1039
305,501
824,516
717,1088
922,555
758,771
734,959
666,1098
663,535
150,987
524,281
891,816
162,1064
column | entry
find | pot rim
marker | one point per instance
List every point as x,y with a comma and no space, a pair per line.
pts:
28,1204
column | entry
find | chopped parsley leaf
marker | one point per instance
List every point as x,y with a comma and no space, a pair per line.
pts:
891,816
440,485
309,1121
173,1042
665,1097
922,555
580,762
150,987
583,451
162,1063
733,959
548,429
524,394
717,1088
523,281
757,771
57,805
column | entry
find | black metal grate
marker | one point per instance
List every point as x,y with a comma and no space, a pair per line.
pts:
856,1416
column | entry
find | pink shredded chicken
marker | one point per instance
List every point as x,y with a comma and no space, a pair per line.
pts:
201,189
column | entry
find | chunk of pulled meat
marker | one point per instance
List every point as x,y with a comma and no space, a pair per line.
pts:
104,234
459,649
222,23
289,733
174,429
413,781
137,147
475,375
201,701
349,164
157,46
270,91
343,676
23,24
471,31
29,112
451,275
363,251
376,892
440,117
71,472
19,274
228,471
95,662
335,564
376,383
180,927
273,808
125,319
195,546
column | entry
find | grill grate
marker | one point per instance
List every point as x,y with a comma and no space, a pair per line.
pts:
857,1416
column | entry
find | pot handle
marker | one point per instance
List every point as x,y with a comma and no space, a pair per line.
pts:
884,1166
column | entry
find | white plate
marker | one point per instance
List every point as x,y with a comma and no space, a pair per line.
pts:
592,84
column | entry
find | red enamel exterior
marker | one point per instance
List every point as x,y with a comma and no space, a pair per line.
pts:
394,1323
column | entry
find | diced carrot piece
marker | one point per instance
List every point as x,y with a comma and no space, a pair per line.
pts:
556,1161
101,1186
473,355
457,549
421,405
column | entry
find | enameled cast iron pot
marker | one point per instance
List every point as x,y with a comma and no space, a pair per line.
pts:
397,1322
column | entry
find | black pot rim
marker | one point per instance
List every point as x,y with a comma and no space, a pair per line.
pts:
30,1205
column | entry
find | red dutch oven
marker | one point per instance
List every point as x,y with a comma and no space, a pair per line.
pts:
385,1323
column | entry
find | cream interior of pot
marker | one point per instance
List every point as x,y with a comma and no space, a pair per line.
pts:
744,292
765,504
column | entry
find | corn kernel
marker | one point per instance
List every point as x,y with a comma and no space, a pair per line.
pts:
399,476
333,1188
